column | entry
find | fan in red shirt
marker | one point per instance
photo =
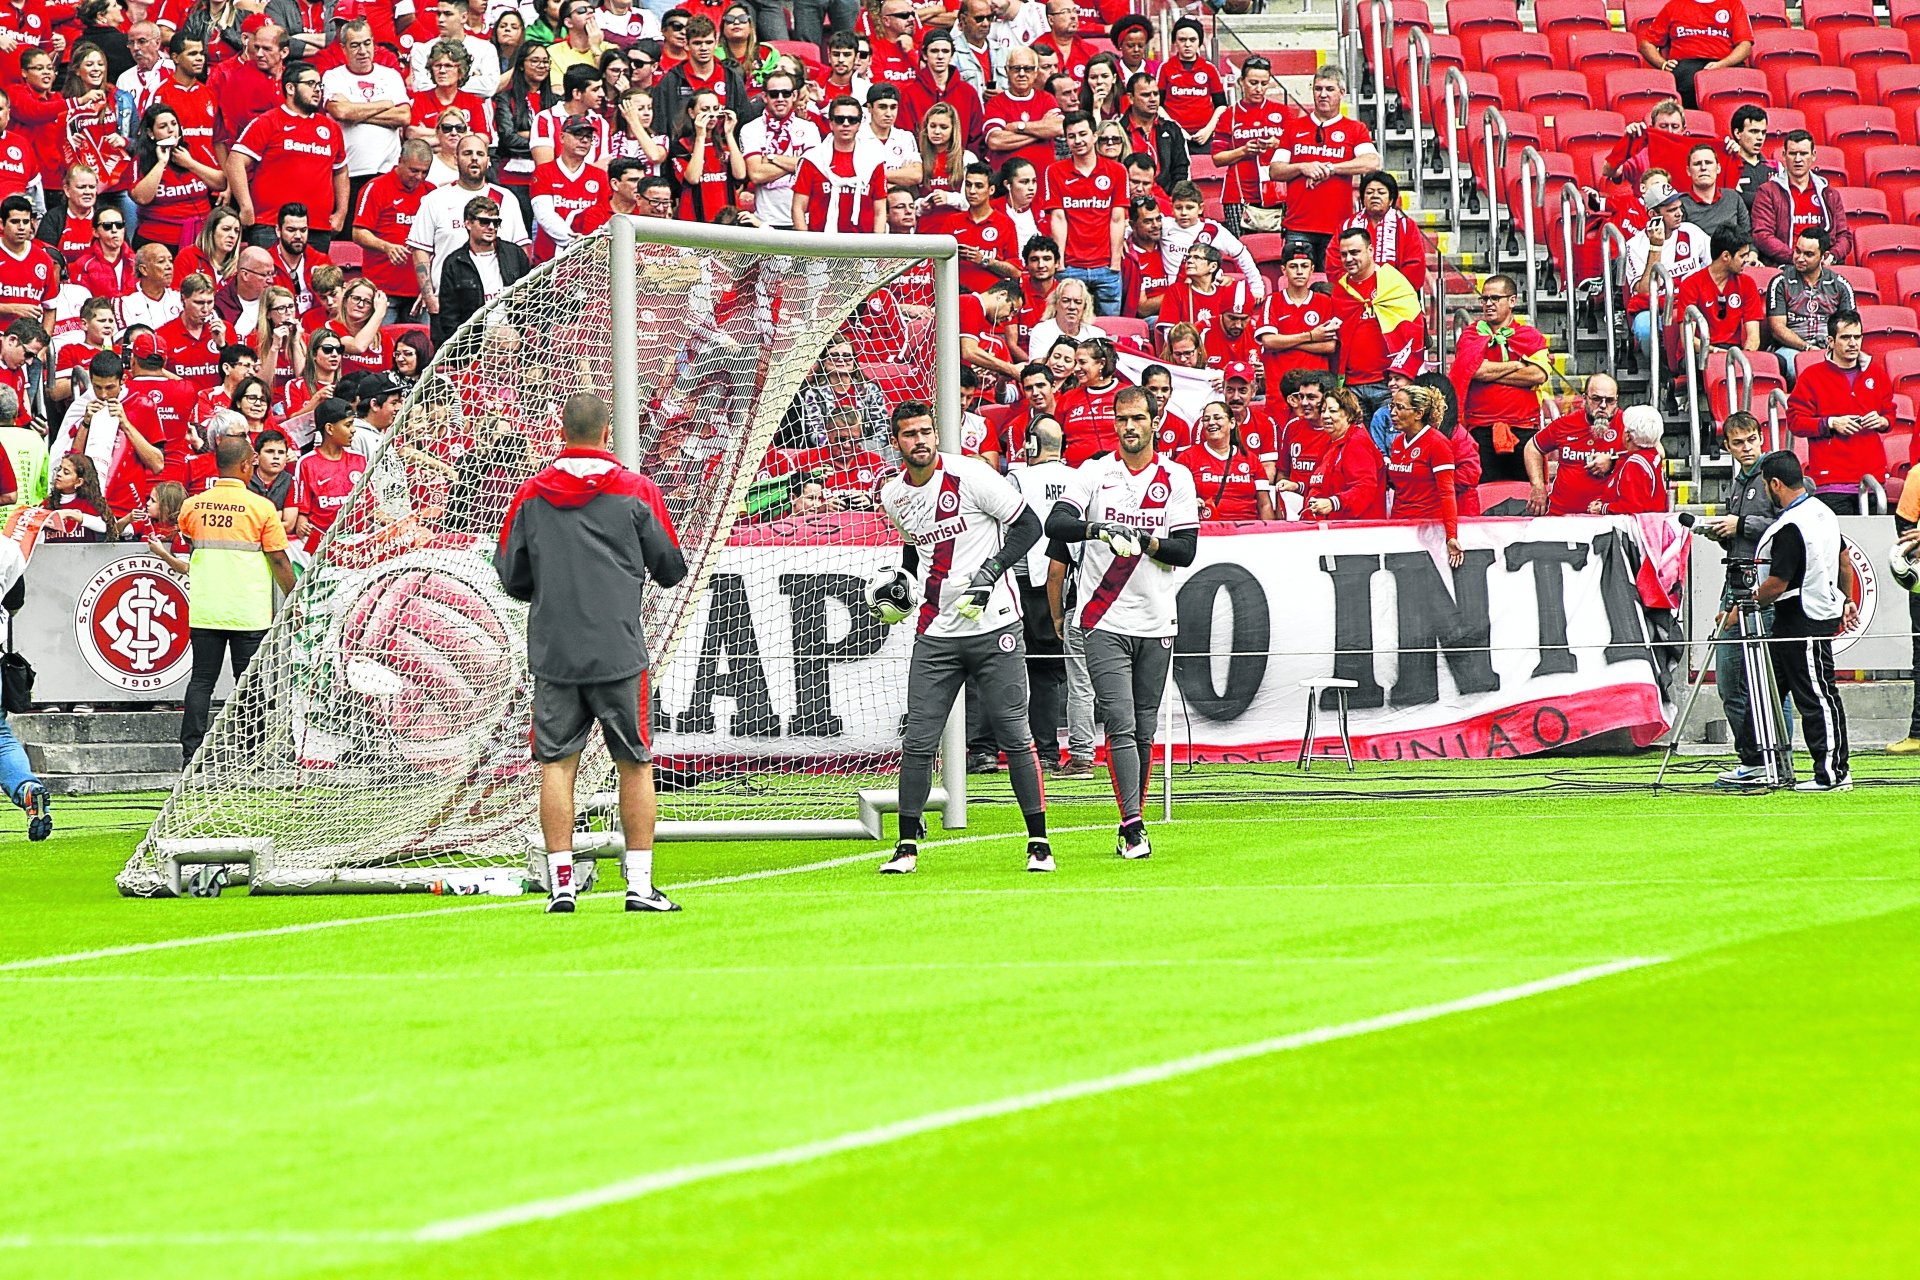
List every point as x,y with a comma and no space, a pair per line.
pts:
293,155
325,477
1318,160
1205,294
1348,482
1086,411
1086,197
989,246
31,24
982,320
19,165
1042,277
1022,122
1420,464
169,398
1192,93
384,218
1588,443
29,282
1843,406
1636,486
1498,369
1397,239
569,195
1229,339
192,340
1171,432
1250,132
245,88
1230,483
1259,435
1071,54
896,61
842,181
185,90
849,472
1295,326
1732,304
1144,277
1302,439
1687,36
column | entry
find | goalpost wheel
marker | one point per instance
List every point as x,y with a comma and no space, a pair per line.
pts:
380,739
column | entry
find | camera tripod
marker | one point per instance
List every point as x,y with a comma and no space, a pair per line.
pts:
1765,717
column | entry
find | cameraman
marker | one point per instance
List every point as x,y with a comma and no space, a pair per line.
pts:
1808,583
1750,510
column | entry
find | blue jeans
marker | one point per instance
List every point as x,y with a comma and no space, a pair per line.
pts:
1103,283
15,772
1730,678
809,14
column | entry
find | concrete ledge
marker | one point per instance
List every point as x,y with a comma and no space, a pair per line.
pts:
111,759
94,784
97,726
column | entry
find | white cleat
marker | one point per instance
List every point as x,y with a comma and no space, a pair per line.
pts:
1039,856
1843,783
651,901
1135,849
906,856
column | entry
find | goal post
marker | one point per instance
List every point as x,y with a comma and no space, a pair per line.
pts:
380,739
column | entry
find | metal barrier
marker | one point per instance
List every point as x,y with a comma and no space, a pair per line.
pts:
1573,232
1739,381
1496,165
1869,485
1777,434
1456,131
1378,30
1419,67
1695,341
1347,46
1659,304
1531,197
1611,235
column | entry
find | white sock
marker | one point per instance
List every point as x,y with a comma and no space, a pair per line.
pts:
560,873
637,866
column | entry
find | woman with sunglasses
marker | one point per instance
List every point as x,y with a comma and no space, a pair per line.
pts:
447,65
837,382
707,158
448,129
741,46
174,188
324,353
215,252
943,168
527,94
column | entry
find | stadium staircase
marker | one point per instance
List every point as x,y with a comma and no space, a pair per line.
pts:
81,753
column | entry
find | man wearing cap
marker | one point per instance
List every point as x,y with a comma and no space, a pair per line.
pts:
1379,317
1669,240
1258,434
1295,329
1498,369
239,556
569,195
474,274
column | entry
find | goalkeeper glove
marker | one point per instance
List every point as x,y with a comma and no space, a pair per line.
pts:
1123,541
973,601
891,596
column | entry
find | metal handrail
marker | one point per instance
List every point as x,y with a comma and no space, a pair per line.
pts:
1695,339
1377,29
1609,236
1440,308
1347,13
1740,375
1777,404
1496,165
1869,484
1573,213
1419,66
1659,304
1777,435
1456,130
1530,197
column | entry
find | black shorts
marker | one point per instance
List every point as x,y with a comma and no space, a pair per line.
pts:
564,714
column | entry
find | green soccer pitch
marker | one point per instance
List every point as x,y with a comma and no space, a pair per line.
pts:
1551,1027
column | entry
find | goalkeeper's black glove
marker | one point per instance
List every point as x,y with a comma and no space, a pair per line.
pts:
973,601
1123,541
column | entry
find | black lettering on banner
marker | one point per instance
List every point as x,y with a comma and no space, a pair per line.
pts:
1498,740
809,595
1353,629
1550,598
730,641
1620,593
1562,727
1251,630
1431,621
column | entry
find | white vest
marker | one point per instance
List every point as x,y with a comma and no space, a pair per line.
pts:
1819,590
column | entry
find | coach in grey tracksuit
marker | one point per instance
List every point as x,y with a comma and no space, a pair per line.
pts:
580,543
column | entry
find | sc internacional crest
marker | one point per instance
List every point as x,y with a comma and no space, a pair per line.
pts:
131,624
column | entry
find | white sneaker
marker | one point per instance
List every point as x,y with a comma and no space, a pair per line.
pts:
560,904
1134,850
651,901
1746,775
1039,856
906,856
1843,783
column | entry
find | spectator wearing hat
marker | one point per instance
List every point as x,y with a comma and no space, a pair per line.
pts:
1690,36
170,398
1498,369
1380,321
291,154
1229,338
474,274
1669,241
569,195
1295,329
1259,433
1132,39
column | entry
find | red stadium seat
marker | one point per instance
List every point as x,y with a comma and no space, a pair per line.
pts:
1594,54
1266,246
1903,367
1767,15
1906,287
346,255
1854,130
1864,50
1549,93
1127,329
1905,15
1865,206
1777,52
1782,121
1483,91
1828,18
1889,328
1816,90
1446,53
1720,92
1560,20
1766,377
1637,13
1831,164
1559,174
1898,89
1909,203
1474,20
1894,168
1884,251
1509,54
1633,93
1522,131
1586,136
1866,285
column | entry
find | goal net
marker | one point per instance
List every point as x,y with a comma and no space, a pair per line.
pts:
380,738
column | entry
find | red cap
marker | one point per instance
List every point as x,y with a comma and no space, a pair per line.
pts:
145,345
1412,362
1237,369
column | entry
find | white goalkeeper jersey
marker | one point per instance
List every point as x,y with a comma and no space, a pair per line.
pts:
1130,595
956,520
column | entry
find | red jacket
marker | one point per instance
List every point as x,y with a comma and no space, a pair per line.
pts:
916,97
1824,392
1637,485
1353,475
101,278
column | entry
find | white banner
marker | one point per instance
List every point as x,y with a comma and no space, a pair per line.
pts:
1540,640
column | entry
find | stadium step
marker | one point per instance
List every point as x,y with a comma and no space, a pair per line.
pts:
80,753
1876,715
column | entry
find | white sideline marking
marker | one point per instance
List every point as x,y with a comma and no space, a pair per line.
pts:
314,926
1652,882
467,1226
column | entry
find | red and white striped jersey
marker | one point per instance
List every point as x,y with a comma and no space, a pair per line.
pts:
1132,596
956,520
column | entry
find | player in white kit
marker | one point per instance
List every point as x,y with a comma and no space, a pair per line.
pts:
963,526
1139,519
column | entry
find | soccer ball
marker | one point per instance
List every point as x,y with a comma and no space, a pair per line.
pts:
1905,572
891,596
